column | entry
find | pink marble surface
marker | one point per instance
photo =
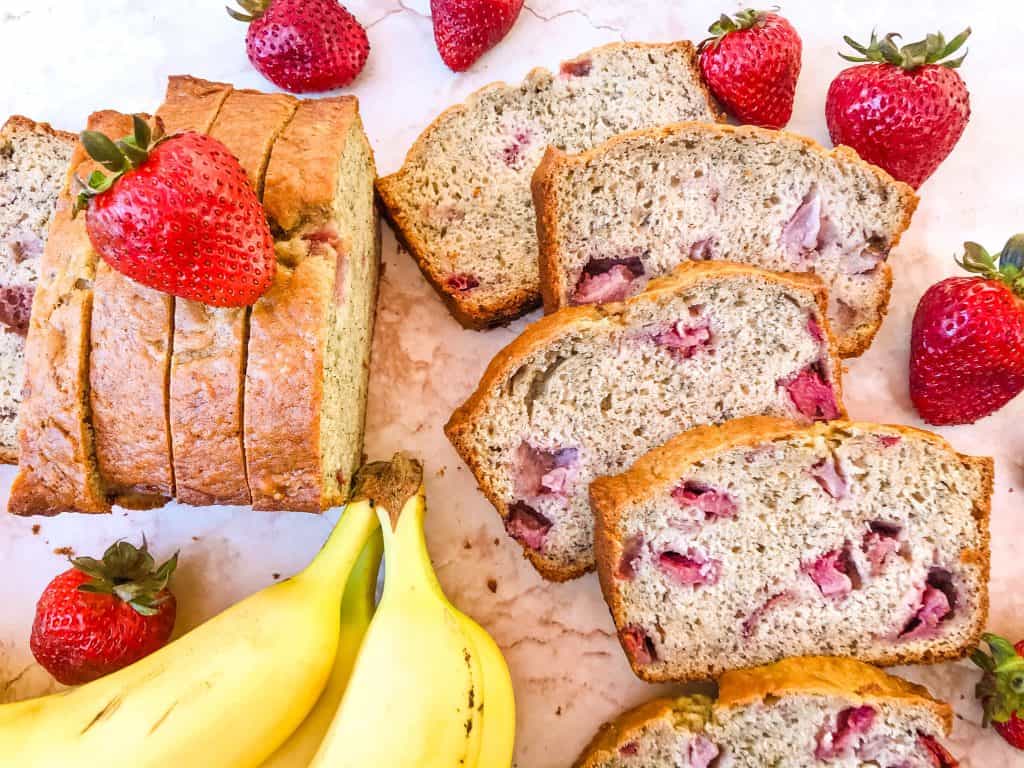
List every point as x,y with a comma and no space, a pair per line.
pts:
568,670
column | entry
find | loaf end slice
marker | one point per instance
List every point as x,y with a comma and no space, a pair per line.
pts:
33,167
741,544
310,335
802,713
589,389
701,191
461,201
57,469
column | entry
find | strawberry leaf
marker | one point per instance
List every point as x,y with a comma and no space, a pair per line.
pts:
932,50
128,573
141,132
1001,688
103,151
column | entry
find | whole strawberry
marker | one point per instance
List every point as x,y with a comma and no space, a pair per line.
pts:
967,340
751,64
464,30
102,615
1001,689
304,46
906,109
178,215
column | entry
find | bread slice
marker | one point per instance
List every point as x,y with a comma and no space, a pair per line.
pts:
740,544
57,470
798,713
132,328
638,205
208,363
461,201
588,390
33,168
309,339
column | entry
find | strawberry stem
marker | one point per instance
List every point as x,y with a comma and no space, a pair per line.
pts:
934,49
1007,266
117,157
745,19
129,573
1001,688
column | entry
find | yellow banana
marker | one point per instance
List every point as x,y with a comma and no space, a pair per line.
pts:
413,700
226,694
497,701
356,612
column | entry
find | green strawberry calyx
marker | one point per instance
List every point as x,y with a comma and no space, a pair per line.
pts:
253,10
934,49
130,574
1007,266
1001,689
117,157
748,18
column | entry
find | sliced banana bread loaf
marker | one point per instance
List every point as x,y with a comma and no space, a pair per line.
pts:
761,538
798,713
57,470
638,205
33,169
461,201
309,338
588,390
208,365
132,327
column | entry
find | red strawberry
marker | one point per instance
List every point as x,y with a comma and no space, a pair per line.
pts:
967,341
751,64
304,45
179,216
906,109
465,30
1001,689
102,615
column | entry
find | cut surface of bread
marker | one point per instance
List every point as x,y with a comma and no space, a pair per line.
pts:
309,340
461,201
638,205
588,390
208,363
798,713
740,544
132,327
57,470
33,168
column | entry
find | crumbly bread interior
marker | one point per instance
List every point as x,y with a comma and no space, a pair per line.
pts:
462,199
699,191
33,167
347,360
602,392
859,541
795,731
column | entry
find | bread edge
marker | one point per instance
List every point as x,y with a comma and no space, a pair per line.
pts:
545,201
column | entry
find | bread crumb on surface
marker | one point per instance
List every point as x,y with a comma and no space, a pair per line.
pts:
65,551
492,584
35,529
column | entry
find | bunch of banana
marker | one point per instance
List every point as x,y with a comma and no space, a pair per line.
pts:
430,687
225,695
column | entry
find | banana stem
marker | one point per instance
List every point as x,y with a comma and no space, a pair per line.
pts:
407,559
333,564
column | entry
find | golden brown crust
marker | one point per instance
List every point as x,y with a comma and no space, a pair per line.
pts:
481,314
552,327
624,728
556,162
208,363
191,104
132,328
290,324
848,679
57,469
302,177
660,469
